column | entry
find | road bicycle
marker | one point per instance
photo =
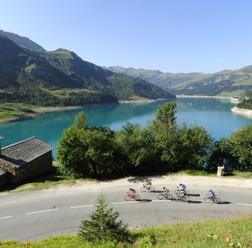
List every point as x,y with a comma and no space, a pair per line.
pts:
183,198
213,199
165,195
147,188
178,191
129,197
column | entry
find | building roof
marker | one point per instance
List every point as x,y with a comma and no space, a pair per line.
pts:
25,151
2,171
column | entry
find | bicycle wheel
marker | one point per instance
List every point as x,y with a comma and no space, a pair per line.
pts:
143,189
217,200
152,188
185,198
169,196
160,196
207,199
127,198
176,192
136,197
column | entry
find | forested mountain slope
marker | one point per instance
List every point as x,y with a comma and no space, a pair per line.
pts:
62,78
223,83
22,41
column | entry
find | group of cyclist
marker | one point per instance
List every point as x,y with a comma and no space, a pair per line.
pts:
181,190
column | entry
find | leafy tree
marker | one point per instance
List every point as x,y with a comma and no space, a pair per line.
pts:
222,155
242,145
179,147
80,121
88,151
166,115
185,148
70,154
194,146
103,225
138,148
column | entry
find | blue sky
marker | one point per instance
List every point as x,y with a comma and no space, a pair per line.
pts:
170,36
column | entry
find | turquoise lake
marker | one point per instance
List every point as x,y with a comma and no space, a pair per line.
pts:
213,114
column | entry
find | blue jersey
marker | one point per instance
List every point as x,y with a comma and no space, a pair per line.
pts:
212,193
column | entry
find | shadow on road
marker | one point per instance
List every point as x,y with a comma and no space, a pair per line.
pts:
195,202
194,195
225,202
155,191
144,200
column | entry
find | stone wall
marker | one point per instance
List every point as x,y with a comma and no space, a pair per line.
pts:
34,168
31,169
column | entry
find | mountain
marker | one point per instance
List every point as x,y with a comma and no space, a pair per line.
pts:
22,41
62,78
223,83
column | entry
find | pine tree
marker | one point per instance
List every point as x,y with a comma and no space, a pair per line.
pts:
103,225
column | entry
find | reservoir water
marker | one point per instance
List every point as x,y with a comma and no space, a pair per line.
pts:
213,114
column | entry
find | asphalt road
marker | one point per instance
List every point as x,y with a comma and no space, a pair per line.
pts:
41,214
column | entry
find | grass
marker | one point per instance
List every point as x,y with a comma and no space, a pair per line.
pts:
241,174
10,110
46,181
217,234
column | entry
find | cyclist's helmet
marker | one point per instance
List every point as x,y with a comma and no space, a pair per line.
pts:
163,187
210,190
180,184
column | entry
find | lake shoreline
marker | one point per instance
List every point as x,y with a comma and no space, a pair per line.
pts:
217,97
42,110
244,112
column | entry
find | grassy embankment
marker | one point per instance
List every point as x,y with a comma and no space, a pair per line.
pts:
15,111
217,234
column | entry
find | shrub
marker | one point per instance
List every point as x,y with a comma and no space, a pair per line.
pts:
103,225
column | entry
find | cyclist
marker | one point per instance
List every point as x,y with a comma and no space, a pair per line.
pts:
148,184
131,192
211,194
165,190
182,189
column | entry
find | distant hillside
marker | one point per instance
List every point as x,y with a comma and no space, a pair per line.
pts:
62,78
22,41
224,83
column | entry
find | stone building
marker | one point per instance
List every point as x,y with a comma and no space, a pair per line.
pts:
25,159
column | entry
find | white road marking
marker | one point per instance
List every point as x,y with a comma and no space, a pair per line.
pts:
125,202
162,200
244,204
5,217
42,211
83,206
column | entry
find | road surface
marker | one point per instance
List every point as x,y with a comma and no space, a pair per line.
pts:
41,214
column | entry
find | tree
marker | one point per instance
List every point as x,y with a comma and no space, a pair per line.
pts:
166,115
80,121
103,225
242,145
88,151
222,155
193,147
70,154
138,148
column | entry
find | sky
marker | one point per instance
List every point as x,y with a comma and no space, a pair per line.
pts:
178,36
